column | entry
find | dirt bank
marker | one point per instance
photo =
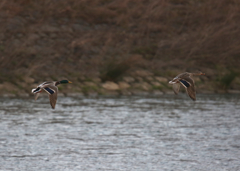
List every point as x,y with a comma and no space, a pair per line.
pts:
101,42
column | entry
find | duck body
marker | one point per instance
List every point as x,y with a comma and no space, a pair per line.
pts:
51,88
187,82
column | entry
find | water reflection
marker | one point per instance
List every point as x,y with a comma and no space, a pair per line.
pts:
126,133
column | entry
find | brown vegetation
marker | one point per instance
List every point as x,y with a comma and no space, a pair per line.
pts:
58,38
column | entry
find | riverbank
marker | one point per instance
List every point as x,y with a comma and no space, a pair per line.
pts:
139,82
110,47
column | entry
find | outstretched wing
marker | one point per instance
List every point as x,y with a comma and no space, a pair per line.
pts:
188,84
36,96
52,91
176,88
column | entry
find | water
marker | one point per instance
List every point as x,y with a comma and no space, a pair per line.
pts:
127,133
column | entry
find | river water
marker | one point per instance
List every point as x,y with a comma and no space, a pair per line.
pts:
137,133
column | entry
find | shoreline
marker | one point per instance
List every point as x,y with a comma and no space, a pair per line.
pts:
114,94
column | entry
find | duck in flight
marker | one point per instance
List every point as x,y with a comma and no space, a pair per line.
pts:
187,82
51,88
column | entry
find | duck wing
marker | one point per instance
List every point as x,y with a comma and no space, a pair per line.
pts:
36,96
188,84
52,92
176,88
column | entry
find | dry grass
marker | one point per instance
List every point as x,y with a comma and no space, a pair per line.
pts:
193,33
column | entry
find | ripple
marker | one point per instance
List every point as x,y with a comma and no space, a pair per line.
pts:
125,133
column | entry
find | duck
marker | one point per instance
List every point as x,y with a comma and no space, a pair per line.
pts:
185,79
51,88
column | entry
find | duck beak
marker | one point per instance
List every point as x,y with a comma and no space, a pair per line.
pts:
69,82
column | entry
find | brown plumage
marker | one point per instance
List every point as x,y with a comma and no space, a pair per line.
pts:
53,97
51,88
187,82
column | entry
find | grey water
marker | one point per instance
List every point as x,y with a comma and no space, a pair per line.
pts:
139,133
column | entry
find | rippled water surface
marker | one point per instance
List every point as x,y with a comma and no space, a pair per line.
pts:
127,133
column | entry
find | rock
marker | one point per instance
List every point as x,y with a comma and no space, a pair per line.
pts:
123,85
136,85
162,79
128,79
155,83
110,85
145,86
